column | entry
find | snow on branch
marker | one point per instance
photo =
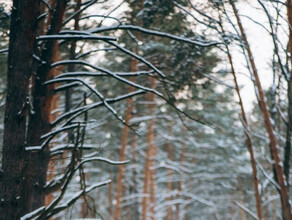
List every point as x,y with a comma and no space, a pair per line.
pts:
95,91
97,74
103,159
33,214
137,57
247,210
116,76
78,12
156,33
4,50
72,200
76,196
78,111
74,37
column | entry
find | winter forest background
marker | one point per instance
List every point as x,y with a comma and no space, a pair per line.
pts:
145,109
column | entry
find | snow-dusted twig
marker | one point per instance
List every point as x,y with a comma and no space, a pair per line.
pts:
136,57
33,214
156,33
109,73
103,159
74,37
247,210
78,111
97,74
5,50
78,12
75,197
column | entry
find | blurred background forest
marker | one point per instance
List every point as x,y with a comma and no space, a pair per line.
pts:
160,109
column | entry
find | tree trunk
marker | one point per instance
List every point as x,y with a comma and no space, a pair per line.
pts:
148,180
279,174
287,152
21,186
169,213
152,152
23,180
248,140
180,182
135,206
110,195
124,145
248,144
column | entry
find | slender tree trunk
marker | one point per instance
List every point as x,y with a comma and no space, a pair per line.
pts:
248,144
135,207
152,153
169,214
189,185
248,138
145,184
279,174
287,152
110,195
21,191
52,99
149,174
123,147
180,182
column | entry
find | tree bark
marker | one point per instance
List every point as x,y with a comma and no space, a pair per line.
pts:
26,114
21,186
279,174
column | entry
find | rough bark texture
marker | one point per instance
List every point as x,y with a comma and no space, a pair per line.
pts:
27,113
279,174
21,187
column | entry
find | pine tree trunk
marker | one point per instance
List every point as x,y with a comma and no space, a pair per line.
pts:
180,182
124,145
248,141
169,215
248,144
279,174
145,184
152,152
248,138
287,152
149,175
135,207
22,180
110,195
